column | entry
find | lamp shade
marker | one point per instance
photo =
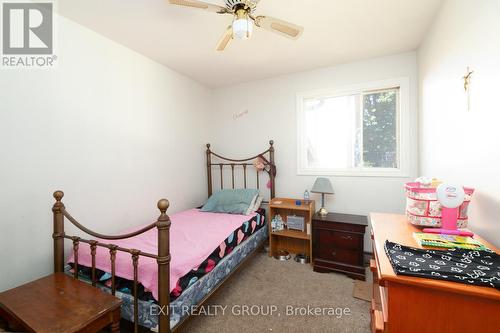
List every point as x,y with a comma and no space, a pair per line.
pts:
322,185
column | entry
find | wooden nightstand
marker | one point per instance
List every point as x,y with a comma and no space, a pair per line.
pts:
338,244
59,303
293,241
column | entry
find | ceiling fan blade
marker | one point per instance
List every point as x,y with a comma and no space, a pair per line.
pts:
281,27
200,5
225,39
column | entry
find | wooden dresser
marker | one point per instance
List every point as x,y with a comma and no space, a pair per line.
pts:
338,244
410,304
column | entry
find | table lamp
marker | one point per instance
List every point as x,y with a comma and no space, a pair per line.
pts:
323,186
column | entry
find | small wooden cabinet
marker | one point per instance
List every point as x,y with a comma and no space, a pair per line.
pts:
338,244
59,303
293,241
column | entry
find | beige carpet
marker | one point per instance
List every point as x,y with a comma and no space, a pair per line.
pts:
266,282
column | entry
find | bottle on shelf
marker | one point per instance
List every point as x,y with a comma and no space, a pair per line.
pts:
306,196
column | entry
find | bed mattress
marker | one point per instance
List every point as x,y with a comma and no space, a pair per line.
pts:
237,236
251,231
194,235
194,292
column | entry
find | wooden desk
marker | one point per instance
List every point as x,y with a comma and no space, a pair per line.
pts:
59,303
411,304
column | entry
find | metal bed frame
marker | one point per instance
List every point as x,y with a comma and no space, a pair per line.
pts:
163,226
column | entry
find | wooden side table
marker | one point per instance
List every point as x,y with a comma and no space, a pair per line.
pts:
293,241
59,303
338,244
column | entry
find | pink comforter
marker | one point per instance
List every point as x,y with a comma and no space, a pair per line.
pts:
193,237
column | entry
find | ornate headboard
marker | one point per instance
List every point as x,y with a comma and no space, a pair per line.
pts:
262,163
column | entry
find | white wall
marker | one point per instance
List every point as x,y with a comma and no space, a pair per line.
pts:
113,129
456,145
117,131
271,106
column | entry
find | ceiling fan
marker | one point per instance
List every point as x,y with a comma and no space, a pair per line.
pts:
244,20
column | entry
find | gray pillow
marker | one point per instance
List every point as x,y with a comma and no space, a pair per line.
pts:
232,201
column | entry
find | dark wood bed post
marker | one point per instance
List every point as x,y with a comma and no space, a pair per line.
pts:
272,173
209,170
58,234
163,225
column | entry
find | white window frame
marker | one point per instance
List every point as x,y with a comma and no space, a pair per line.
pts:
403,129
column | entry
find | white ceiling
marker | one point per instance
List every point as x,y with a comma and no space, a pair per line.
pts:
184,39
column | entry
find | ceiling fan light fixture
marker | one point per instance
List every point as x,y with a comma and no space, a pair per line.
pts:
242,25
244,19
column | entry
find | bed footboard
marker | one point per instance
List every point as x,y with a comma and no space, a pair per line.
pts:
162,257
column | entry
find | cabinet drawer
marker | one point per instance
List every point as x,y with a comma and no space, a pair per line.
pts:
340,255
339,240
373,266
377,321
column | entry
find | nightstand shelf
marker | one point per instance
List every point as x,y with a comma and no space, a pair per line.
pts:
293,241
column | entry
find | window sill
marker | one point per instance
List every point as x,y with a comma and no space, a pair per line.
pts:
379,173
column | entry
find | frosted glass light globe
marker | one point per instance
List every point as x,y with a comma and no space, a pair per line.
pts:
242,28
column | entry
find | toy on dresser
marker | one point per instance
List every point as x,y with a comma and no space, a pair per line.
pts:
431,203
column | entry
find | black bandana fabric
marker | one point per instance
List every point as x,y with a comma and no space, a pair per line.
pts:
481,268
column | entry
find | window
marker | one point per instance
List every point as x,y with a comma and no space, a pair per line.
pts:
353,132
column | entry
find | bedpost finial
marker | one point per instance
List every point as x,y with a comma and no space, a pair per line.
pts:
208,145
271,142
58,195
163,205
